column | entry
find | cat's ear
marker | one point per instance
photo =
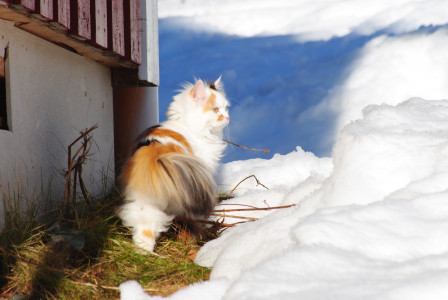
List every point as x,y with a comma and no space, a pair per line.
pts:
218,84
198,92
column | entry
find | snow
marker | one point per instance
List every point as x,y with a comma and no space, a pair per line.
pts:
367,88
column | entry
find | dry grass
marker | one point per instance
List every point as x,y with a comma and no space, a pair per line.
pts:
35,266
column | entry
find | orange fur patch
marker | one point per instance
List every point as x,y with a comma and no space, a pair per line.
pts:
137,171
221,117
162,132
210,104
148,233
174,180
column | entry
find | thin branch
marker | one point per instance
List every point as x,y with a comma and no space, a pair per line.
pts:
74,170
236,217
254,209
245,205
256,179
264,150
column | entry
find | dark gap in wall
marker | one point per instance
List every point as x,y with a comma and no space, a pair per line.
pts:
3,107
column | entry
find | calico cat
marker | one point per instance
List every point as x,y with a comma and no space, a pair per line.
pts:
171,170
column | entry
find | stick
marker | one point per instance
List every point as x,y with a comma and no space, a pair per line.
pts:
264,150
236,217
255,208
258,183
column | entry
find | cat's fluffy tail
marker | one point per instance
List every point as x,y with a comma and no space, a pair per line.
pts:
178,184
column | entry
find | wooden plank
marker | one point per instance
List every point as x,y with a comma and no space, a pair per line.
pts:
101,23
46,9
43,31
64,13
149,69
117,26
29,4
136,32
83,19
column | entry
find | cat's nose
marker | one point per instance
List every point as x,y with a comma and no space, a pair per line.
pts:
227,118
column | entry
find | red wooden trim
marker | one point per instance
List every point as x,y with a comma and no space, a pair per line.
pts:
27,22
113,26
136,32
118,27
46,9
100,18
84,19
29,4
64,13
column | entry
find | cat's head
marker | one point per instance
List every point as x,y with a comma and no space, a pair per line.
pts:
203,104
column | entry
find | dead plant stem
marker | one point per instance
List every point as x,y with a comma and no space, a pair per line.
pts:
256,179
254,208
264,150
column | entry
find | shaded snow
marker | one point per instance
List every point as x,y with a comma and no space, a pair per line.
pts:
339,78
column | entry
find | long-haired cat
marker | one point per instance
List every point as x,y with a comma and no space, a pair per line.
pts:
171,170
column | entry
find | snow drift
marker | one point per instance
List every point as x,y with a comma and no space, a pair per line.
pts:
373,228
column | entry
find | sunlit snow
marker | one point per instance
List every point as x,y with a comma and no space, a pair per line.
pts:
349,94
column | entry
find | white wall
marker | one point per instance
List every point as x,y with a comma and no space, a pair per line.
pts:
53,94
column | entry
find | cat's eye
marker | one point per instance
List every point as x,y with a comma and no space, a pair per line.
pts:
216,109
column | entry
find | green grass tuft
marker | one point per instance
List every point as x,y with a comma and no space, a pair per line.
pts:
35,266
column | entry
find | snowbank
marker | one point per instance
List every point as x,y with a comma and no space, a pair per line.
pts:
310,20
375,228
298,71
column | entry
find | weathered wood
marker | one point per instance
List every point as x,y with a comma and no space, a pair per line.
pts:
84,19
44,31
29,4
109,31
46,9
64,13
101,23
136,32
117,27
149,68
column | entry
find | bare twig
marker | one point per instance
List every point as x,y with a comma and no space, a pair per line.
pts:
256,179
254,208
264,150
74,167
236,217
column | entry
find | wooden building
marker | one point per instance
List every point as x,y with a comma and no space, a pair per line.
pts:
66,65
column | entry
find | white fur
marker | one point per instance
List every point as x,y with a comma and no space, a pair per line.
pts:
139,214
203,132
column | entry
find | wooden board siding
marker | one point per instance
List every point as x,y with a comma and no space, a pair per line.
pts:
135,31
81,19
46,9
110,28
101,23
117,27
63,13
